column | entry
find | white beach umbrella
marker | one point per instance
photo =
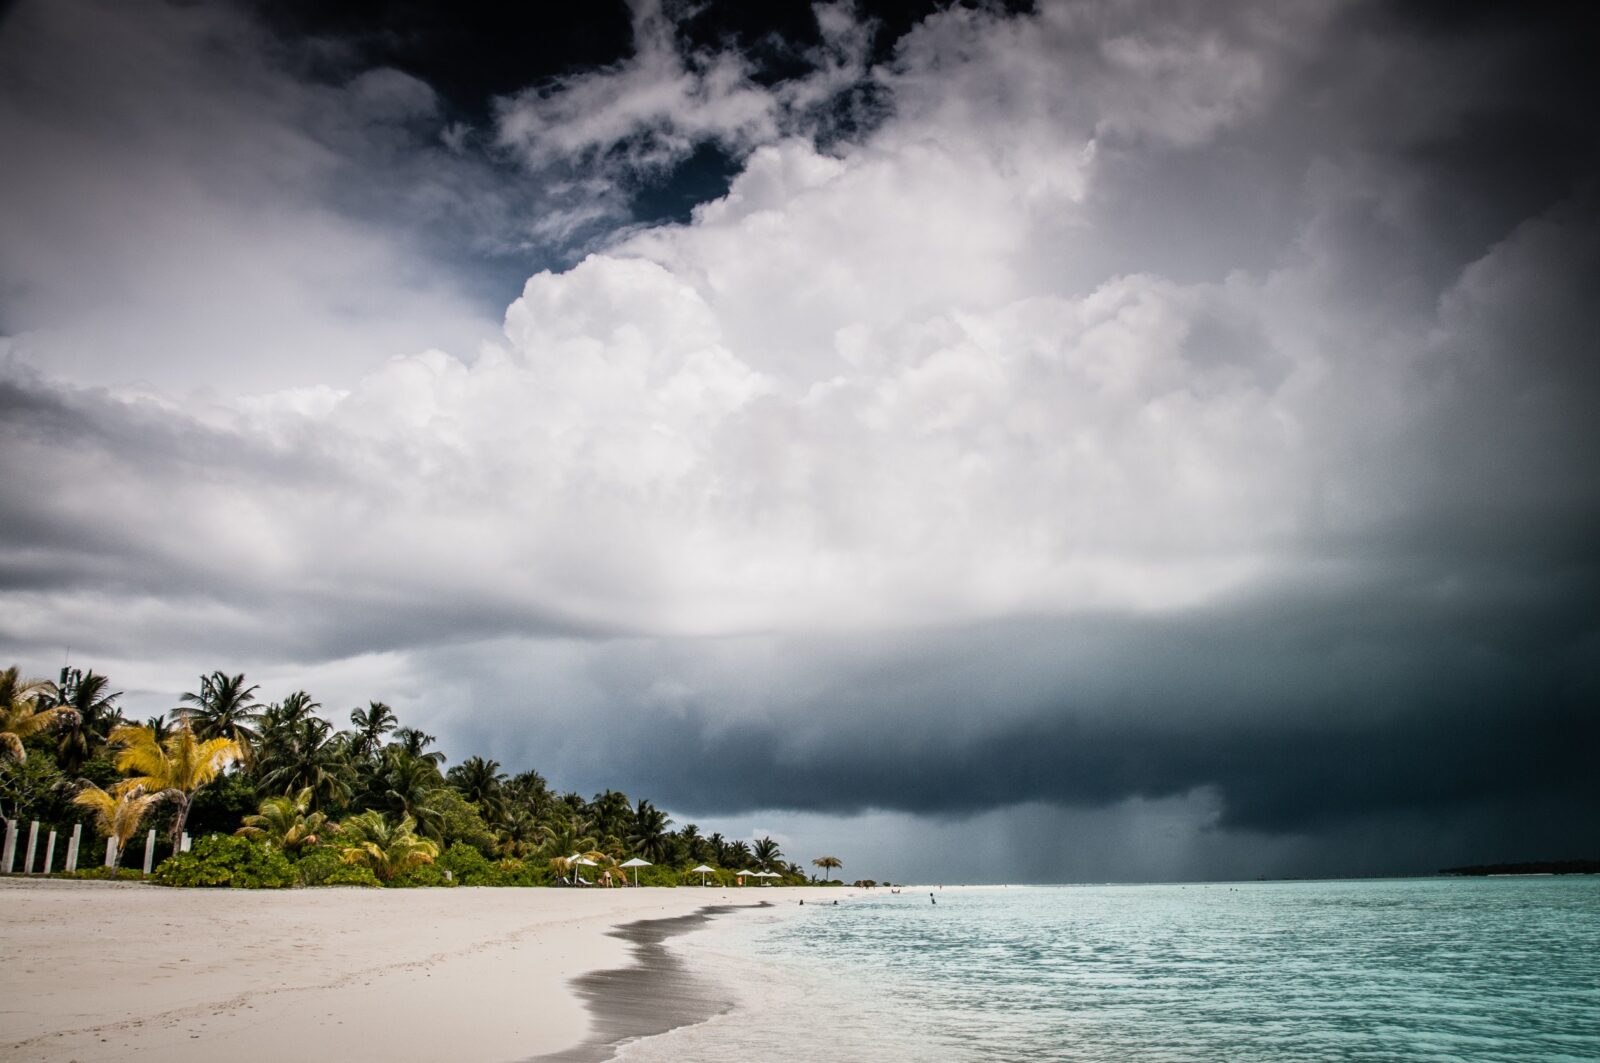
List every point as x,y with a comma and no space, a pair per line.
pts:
704,871
636,863
577,859
767,874
745,874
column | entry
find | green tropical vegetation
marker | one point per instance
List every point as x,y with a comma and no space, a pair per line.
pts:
228,861
285,823
275,793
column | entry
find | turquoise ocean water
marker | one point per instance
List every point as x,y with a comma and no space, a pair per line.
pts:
1425,969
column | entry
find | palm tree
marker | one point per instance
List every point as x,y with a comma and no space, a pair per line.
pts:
522,833
118,814
159,726
612,813
174,768
736,854
415,743
483,783
278,725
767,853
568,832
529,803
388,849
224,708
371,724
649,837
285,823
403,785
827,863
25,710
299,706
94,714
307,755
695,847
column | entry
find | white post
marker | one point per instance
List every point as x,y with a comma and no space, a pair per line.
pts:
72,847
185,846
149,848
50,853
33,847
8,859
111,852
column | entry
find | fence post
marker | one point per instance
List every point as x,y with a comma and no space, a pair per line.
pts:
185,846
111,852
50,852
33,847
149,849
8,859
72,847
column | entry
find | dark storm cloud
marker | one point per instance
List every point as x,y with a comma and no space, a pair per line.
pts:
1304,713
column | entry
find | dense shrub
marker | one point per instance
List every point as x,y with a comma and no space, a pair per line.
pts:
316,863
229,861
469,867
350,875
422,875
460,821
101,872
526,873
658,876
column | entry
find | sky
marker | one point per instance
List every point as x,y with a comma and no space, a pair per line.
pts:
1079,441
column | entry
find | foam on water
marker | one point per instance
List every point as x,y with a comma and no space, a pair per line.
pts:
1429,969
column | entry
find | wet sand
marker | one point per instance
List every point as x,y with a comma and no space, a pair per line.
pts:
655,993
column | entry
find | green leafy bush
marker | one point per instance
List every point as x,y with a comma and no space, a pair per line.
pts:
350,875
316,864
460,821
469,867
525,873
98,873
421,875
659,876
228,861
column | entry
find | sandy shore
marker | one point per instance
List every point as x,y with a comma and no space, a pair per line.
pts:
96,971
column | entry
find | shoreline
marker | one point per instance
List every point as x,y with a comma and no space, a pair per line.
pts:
102,971
654,994
657,992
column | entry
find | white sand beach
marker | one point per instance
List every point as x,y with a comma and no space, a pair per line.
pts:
101,971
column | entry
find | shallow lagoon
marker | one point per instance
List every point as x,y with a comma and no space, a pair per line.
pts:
1421,969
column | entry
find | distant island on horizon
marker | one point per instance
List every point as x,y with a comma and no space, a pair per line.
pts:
1533,867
